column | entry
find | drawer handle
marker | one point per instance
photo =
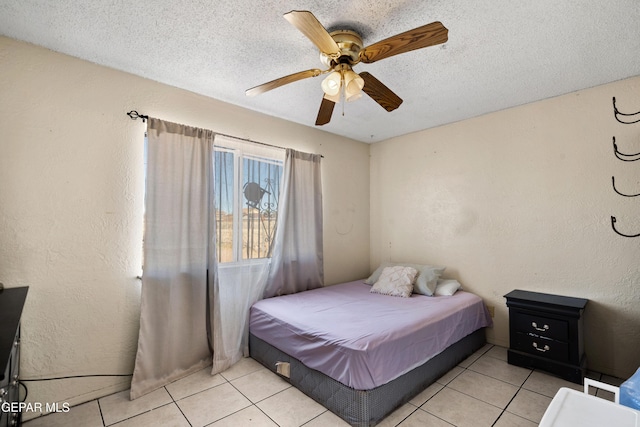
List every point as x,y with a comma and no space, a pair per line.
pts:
543,329
543,349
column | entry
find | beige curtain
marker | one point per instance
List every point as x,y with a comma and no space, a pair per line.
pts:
298,261
178,252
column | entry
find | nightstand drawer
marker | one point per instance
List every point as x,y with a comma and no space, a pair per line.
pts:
555,350
540,325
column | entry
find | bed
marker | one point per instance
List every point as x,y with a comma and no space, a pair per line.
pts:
362,354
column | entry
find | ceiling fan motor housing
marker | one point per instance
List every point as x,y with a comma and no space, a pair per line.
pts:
350,44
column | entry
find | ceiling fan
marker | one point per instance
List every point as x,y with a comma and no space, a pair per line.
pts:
342,49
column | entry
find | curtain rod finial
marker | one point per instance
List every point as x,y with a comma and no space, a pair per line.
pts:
135,115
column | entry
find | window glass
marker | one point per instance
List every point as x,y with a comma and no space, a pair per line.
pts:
247,189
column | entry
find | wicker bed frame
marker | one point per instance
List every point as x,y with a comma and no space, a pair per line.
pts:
365,408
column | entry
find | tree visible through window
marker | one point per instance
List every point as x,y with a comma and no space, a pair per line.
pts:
247,189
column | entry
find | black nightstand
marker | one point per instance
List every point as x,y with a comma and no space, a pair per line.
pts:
545,332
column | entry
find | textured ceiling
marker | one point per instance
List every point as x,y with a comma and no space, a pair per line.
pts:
499,54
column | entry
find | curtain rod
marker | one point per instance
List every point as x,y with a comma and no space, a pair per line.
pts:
135,115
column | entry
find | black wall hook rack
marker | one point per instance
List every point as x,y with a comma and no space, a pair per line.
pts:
617,114
626,119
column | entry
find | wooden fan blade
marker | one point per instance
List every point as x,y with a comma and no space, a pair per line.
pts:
325,112
380,93
309,25
282,81
425,36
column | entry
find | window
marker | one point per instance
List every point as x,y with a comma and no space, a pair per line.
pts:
247,188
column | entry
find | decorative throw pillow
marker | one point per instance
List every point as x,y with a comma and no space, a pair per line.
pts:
447,287
426,279
396,281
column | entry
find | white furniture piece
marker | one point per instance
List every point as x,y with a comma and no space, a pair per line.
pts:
570,408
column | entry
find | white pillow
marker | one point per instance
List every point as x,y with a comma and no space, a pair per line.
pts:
396,281
426,278
447,287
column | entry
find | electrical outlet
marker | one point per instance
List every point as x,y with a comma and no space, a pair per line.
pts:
492,310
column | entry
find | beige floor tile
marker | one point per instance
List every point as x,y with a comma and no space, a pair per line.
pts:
547,384
244,366
165,416
475,356
489,390
508,419
500,370
498,352
482,350
212,405
426,394
119,406
290,408
397,416
260,384
422,418
250,416
529,405
449,376
327,419
461,410
86,415
194,383
472,397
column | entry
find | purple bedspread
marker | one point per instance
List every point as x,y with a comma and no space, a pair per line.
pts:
362,339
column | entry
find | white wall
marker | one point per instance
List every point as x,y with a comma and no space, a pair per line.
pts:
522,199
71,185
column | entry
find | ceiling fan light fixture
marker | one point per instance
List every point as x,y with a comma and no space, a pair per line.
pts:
354,97
353,85
332,83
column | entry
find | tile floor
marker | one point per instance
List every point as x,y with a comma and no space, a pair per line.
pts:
483,390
